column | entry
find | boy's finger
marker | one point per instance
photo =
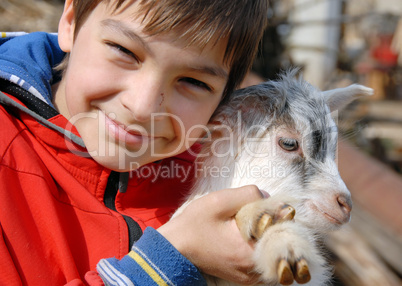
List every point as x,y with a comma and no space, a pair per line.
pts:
229,201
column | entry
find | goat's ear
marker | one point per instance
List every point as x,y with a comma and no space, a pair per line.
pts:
338,98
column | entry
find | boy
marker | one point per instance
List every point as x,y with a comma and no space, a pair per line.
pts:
140,81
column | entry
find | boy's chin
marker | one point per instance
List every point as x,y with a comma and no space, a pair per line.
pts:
122,164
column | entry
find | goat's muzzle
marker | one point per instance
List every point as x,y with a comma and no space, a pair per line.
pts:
335,210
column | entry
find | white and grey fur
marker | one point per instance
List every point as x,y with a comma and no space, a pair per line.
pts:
255,122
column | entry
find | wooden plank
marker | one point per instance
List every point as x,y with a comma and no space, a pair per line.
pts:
373,185
381,239
356,264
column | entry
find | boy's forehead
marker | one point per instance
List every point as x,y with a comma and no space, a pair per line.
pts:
122,26
190,28
128,21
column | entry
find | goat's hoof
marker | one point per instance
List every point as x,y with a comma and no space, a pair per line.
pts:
287,212
302,273
265,220
262,224
285,273
299,272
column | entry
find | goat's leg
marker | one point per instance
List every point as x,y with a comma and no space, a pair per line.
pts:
253,219
287,253
286,250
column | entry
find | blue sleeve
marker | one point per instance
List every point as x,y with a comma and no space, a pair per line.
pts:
152,261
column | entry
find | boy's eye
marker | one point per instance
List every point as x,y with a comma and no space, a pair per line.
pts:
122,50
196,83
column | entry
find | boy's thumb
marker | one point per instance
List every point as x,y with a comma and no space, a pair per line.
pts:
232,200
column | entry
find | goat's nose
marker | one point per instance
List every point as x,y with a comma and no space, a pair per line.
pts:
345,203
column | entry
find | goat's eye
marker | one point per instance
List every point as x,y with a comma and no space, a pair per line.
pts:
288,144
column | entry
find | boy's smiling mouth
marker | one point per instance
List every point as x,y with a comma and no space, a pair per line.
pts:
127,134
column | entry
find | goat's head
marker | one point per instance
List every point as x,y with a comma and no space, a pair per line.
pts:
281,136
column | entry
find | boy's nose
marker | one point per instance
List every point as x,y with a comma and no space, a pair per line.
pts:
144,102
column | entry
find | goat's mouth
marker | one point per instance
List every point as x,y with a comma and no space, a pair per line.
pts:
333,220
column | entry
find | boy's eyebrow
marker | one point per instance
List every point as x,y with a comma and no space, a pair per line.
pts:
118,26
214,71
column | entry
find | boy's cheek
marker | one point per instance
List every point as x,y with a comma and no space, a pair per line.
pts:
195,134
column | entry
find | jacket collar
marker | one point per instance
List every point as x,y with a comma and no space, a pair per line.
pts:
28,61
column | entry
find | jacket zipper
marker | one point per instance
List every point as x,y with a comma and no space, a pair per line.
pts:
112,187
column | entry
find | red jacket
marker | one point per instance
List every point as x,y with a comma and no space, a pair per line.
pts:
55,226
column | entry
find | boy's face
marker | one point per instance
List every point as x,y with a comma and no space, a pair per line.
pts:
135,98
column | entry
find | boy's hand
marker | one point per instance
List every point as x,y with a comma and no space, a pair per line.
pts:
206,233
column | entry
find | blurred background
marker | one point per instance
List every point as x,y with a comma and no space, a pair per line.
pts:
335,43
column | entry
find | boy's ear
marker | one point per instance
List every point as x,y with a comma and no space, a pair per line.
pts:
67,27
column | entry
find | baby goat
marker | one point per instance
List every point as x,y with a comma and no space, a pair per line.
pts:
280,136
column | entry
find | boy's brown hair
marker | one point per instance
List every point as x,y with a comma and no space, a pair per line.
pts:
240,22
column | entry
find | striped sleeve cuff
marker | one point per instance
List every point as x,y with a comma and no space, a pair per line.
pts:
152,261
